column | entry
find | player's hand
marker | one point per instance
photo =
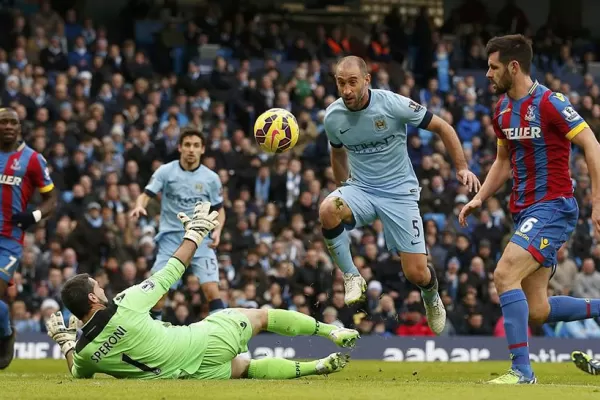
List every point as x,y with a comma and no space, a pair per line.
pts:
136,212
64,336
469,179
201,222
24,219
467,210
216,239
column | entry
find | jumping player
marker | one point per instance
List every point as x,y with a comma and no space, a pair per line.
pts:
535,128
369,157
22,170
183,183
122,340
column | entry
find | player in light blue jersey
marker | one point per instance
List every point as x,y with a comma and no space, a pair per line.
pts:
182,183
369,157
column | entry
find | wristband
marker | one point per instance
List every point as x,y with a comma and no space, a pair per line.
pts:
37,215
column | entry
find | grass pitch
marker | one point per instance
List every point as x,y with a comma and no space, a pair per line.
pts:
49,379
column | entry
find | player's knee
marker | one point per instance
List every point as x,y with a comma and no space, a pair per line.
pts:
332,211
211,291
502,277
538,314
239,367
417,274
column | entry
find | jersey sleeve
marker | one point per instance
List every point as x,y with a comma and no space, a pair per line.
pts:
409,111
141,298
39,173
79,371
330,132
559,112
157,181
216,193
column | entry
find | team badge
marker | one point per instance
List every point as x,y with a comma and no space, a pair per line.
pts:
15,165
530,115
380,123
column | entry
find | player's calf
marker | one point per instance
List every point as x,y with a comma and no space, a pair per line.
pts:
419,272
213,297
516,264
291,323
334,214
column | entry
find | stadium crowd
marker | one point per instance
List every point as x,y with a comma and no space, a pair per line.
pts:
106,113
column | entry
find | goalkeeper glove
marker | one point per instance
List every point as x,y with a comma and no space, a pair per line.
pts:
201,223
64,336
25,219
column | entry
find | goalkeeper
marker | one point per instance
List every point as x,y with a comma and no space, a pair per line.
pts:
122,340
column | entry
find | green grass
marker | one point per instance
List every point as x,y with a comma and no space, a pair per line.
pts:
364,380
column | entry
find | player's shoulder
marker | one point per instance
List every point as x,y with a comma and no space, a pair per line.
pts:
336,107
169,167
208,173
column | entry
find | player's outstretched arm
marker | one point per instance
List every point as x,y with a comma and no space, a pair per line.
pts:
143,297
499,173
448,135
587,141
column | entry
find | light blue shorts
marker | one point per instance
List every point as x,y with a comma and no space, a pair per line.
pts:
204,264
401,218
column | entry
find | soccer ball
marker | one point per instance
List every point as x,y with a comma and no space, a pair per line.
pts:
276,130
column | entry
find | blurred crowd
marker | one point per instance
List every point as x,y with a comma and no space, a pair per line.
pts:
106,114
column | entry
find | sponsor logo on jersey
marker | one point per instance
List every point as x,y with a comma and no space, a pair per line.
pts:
375,146
530,132
10,180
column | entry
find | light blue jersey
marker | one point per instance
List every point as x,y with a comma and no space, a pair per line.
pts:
382,183
375,140
181,190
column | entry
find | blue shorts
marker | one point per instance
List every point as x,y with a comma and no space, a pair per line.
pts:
401,218
204,264
544,227
10,257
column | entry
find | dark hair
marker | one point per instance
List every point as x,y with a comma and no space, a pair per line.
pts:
187,132
512,48
74,295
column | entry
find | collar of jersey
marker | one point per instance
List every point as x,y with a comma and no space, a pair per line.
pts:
191,170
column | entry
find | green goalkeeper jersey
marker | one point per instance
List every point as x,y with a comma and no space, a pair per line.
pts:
125,342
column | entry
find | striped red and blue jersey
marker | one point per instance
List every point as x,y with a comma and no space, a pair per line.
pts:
538,130
21,172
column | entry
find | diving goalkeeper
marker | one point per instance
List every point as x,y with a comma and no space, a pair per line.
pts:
122,340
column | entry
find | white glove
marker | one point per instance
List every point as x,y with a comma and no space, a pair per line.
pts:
64,336
201,223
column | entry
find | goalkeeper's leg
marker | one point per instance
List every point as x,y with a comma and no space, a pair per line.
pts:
291,323
280,368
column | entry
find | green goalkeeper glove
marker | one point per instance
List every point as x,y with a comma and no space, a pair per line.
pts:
64,336
201,223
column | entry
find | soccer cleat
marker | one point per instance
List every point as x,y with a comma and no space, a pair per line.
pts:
513,377
7,349
436,314
332,363
344,337
355,287
585,363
